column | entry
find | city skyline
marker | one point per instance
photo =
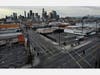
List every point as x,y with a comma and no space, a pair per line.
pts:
61,10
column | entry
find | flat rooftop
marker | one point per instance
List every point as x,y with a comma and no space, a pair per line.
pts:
64,37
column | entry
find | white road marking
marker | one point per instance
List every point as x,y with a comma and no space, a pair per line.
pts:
84,59
74,60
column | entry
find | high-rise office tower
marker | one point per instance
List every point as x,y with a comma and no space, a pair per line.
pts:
44,15
43,12
25,14
28,15
54,14
14,16
30,12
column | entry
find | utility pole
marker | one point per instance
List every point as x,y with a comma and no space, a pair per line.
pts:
82,25
29,50
82,21
96,27
59,36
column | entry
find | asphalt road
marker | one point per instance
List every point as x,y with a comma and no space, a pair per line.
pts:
74,59
53,57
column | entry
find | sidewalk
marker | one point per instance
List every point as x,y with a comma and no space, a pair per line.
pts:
82,44
36,61
67,48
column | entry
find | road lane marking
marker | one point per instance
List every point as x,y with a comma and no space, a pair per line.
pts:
90,53
74,59
84,59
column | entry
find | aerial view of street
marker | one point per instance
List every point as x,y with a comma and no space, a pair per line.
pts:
49,37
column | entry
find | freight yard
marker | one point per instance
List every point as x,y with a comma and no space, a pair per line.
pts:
28,42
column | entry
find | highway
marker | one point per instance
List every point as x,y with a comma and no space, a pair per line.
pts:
54,57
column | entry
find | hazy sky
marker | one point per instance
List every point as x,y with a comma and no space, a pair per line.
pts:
61,10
